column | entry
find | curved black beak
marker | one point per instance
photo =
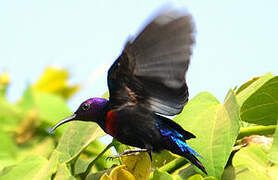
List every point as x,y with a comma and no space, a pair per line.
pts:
67,119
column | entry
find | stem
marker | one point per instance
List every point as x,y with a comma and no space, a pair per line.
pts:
83,175
172,165
258,130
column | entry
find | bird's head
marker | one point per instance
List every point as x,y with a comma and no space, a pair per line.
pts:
89,110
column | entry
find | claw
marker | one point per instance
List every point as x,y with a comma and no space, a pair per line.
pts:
111,158
128,152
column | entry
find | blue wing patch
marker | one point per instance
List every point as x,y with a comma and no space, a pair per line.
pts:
175,137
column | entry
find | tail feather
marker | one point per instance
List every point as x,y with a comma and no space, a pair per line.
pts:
184,147
174,142
186,151
194,161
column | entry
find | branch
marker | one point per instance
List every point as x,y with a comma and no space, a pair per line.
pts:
256,130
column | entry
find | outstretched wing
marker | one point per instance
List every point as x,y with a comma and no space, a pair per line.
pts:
151,69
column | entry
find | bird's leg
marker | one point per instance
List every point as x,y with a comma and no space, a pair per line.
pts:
129,152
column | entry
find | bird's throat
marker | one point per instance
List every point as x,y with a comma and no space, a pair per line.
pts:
110,123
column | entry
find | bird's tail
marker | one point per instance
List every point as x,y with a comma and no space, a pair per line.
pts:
176,137
183,149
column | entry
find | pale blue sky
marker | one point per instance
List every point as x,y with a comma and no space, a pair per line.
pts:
235,41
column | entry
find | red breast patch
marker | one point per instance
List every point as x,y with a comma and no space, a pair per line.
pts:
110,122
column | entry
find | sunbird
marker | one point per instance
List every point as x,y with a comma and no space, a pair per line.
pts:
147,83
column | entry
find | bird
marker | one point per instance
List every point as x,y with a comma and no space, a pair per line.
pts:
147,83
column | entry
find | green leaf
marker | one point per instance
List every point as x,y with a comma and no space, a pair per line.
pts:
216,127
50,168
250,87
251,163
245,175
262,106
273,172
199,177
162,158
229,173
10,115
50,107
94,149
8,150
195,177
210,178
177,177
37,146
76,138
174,165
185,172
82,164
273,155
160,175
27,101
25,170
119,146
91,152
246,85
63,173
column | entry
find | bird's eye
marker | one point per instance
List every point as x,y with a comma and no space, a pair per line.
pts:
85,106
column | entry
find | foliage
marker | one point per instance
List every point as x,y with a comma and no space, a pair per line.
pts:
234,137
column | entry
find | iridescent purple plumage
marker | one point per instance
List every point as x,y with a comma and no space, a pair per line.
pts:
91,109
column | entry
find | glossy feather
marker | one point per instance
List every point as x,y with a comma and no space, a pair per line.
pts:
151,69
176,143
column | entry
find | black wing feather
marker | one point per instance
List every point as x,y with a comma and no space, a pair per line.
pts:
151,69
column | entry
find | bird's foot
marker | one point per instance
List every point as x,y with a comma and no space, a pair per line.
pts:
128,152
